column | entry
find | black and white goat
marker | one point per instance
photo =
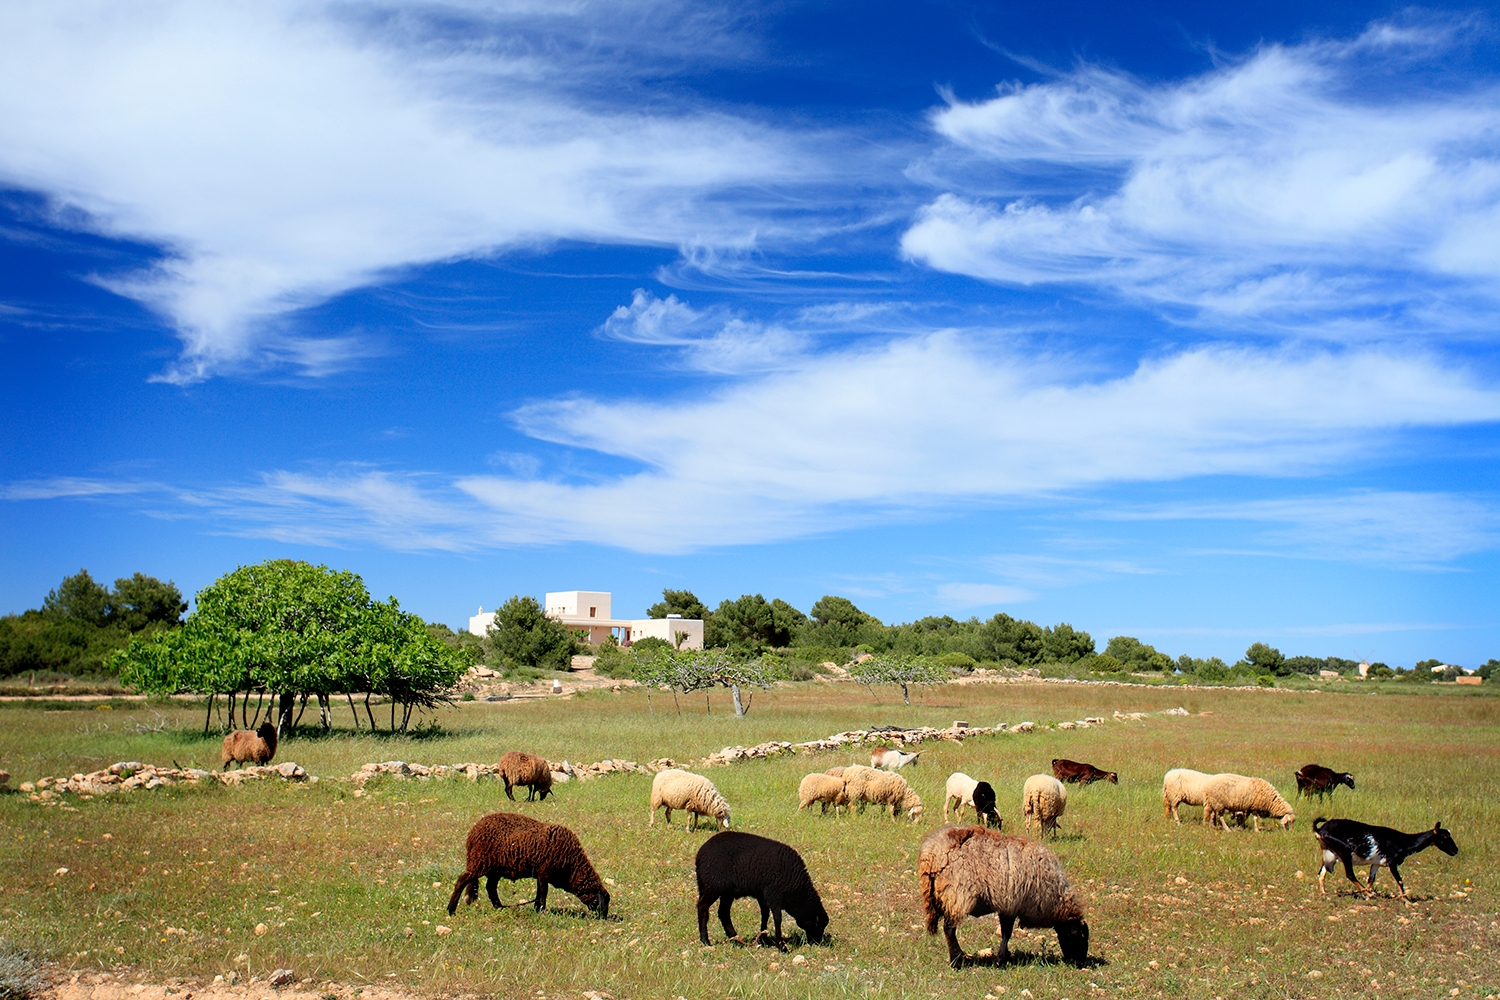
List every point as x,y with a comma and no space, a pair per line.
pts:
1314,779
1356,843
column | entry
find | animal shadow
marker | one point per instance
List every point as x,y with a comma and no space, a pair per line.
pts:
1028,958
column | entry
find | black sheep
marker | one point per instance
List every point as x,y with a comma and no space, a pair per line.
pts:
512,846
984,804
732,865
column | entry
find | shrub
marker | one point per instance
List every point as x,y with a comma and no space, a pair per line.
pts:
959,662
1106,664
21,978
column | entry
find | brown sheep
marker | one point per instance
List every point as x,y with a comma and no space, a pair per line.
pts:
970,871
519,768
242,746
512,846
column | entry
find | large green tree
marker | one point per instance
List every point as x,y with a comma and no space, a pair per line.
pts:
81,624
522,636
1138,655
836,621
752,624
287,629
679,602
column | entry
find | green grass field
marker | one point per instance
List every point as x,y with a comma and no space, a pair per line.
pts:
352,889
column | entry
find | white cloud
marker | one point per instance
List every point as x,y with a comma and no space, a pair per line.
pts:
975,595
70,486
1295,185
926,424
1407,528
854,436
282,153
708,341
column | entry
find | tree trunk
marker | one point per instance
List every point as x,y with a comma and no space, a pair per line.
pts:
707,708
649,709
905,695
353,712
300,710
739,709
325,711
287,703
231,708
369,711
210,716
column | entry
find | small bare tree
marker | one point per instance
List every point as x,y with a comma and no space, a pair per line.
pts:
900,670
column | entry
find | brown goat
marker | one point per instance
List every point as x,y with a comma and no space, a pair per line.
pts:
243,746
519,768
1072,770
512,846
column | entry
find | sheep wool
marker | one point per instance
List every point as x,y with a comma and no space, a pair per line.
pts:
243,746
678,789
733,865
520,768
512,846
883,788
970,871
1182,786
1227,794
824,788
960,792
1043,800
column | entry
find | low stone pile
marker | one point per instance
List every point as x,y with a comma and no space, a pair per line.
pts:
132,775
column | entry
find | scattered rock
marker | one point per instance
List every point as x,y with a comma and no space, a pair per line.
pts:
260,930
282,977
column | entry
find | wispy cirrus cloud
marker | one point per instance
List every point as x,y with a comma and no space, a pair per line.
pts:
1413,529
282,153
1328,187
58,487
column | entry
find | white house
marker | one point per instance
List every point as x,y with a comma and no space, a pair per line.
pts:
590,609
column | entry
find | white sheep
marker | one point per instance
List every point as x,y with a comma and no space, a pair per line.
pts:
678,789
825,788
1182,786
1230,794
1043,800
884,789
960,788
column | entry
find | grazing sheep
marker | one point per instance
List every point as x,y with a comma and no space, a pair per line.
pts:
1043,800
1226,794
892,760
1182,786
243,746
675,788
520,768
1072,770
824,788
984,804
512,846
970,871
964,791
883,788
734,865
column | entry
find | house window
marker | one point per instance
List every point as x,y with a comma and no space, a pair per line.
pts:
591,612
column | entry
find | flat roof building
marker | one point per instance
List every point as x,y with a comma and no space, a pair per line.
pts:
590,609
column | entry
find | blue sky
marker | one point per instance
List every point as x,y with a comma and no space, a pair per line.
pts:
1156,319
